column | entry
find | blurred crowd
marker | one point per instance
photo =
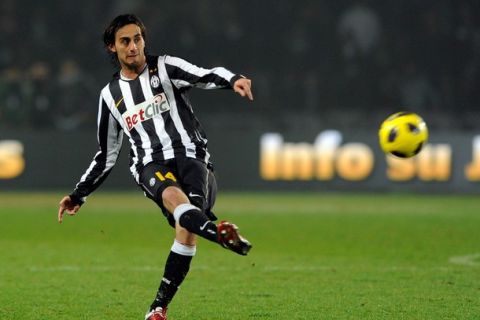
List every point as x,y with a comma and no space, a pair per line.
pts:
344,62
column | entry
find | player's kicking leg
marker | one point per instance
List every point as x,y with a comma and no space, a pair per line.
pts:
194,212
189,211
226,233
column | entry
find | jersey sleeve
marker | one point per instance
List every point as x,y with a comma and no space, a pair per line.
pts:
109,137
183,74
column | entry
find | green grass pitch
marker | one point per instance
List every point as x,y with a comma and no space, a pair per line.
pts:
315,256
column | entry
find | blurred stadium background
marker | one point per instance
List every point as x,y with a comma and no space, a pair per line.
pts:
316,66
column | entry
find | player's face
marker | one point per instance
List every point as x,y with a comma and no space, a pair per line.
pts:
130,47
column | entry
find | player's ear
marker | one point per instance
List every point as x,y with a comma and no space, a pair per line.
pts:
112,48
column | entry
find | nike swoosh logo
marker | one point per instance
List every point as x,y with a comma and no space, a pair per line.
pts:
118,103
194,195
204,225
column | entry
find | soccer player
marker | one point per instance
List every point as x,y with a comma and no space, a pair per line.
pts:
146,100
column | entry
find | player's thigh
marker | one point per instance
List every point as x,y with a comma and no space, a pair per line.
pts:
155,178
194,181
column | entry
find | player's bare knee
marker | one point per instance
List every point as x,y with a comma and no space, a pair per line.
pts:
173,197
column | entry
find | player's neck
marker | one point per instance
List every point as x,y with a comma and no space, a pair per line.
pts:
132,72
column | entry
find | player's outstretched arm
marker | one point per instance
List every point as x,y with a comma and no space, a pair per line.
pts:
66,204
243,87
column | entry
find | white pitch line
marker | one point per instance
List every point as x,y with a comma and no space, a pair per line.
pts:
464,260
70,268
92,269
471,260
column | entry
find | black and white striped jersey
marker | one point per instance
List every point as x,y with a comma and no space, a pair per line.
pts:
155,114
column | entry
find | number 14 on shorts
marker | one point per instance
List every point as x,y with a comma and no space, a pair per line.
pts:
167,175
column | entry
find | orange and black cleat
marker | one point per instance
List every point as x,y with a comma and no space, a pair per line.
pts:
229,238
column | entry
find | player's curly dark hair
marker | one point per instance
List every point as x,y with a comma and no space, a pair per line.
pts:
117,23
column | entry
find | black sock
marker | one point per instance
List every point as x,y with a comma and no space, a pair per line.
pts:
176,269
197,222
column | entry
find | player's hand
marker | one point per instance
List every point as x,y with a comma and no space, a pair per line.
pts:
67,205
243,87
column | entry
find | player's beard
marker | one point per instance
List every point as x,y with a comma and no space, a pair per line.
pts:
132,66
136,65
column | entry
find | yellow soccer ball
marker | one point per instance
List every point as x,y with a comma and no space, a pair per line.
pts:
403,134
